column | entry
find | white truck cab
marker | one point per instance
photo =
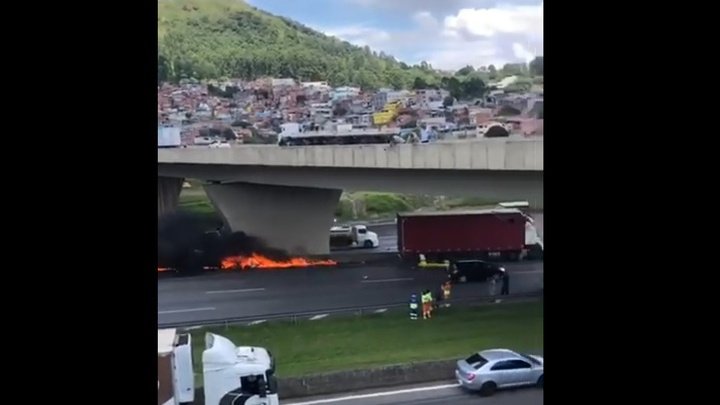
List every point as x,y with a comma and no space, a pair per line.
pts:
231,375
237,375
355,235
175,368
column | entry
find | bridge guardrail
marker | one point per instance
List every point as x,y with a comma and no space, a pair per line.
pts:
357,310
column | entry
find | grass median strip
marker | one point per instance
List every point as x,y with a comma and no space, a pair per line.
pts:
346,343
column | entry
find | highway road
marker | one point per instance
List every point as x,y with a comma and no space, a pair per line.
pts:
262,292
439,394
387,235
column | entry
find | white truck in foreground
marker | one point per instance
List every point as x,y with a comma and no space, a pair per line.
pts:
232,375
353,236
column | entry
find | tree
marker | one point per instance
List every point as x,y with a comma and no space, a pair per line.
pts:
536,66
514,69
247,43
465,71
419,83
474,87
519,86
456,88
448,101
492,72
444,82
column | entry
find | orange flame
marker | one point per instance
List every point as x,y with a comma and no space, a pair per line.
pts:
258,261
161,269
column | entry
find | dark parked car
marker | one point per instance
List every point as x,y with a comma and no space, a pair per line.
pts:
462,271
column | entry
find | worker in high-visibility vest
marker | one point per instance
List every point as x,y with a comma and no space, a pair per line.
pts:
414,307
427,304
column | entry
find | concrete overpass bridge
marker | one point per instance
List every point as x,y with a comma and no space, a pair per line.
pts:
287,195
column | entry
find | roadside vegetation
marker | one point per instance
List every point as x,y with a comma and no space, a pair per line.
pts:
359,206
346,343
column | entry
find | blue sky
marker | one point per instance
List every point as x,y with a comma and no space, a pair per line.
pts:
447,33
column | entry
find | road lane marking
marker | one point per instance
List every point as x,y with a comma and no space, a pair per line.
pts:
178,311
380,311
316,317
235,291
376,395
258,322
388,280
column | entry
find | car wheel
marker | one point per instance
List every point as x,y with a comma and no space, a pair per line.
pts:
488,389
368,244
540,381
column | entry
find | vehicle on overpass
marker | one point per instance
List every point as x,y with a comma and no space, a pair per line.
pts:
231,375
498,233
353,236
463,271
388,114
219,144
489,370
169,137
292,134
205,140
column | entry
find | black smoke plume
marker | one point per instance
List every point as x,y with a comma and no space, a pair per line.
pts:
188,244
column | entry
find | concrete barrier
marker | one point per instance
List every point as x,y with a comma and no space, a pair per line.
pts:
348,381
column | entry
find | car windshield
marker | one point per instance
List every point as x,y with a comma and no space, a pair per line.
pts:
530,359
476,361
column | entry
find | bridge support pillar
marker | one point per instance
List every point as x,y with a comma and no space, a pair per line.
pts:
169,189
295,219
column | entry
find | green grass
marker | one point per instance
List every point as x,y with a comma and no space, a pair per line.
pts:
196,203
310,347
368,205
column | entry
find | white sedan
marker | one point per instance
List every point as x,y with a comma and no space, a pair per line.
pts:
489,370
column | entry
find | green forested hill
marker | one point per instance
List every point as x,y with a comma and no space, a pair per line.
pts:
208,39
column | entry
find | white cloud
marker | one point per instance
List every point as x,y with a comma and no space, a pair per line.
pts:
426,20
409,6
490,22
455,33
360,35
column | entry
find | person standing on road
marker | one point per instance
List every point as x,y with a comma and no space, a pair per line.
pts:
438,298
446,290
427,304
505,289
491,286
413,307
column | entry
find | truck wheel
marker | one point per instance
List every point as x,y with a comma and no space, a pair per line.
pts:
488,389
368,244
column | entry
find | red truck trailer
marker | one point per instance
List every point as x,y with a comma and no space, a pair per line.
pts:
491,233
